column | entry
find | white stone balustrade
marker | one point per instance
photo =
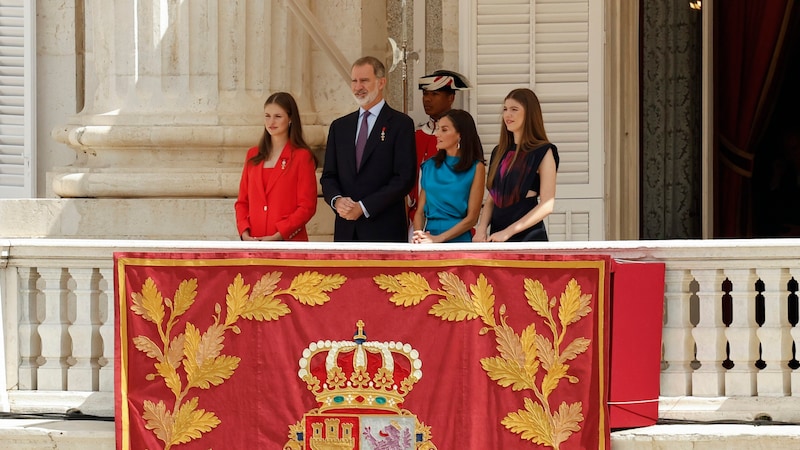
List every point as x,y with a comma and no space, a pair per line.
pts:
708,334
58,303
740,380
774,336
676,377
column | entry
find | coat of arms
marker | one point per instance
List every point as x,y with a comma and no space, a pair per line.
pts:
360,387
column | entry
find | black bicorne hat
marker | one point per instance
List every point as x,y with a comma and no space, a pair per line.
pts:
444,80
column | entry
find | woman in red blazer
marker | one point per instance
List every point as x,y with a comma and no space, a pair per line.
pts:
278,189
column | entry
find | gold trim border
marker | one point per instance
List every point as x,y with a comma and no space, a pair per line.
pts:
590,262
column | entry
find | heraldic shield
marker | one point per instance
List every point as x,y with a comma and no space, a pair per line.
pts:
360,387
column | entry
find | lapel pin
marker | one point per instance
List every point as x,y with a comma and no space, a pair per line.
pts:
283,164
383,134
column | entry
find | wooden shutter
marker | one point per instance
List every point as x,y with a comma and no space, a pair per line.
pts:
16,100
555,48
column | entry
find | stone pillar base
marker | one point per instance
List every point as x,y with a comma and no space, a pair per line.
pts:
220,182
143,218
157,161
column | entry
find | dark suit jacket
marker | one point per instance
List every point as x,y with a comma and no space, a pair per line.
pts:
386,176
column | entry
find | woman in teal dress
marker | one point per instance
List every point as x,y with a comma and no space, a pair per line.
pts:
451,183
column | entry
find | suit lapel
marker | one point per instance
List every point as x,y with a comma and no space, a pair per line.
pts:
376,134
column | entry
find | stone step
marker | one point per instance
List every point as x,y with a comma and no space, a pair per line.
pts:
36,434
47,434
708,437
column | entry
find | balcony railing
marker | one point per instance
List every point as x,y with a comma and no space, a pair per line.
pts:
729,331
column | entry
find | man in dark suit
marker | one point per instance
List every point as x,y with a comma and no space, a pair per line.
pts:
370,163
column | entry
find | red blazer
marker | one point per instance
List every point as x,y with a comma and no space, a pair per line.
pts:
286,204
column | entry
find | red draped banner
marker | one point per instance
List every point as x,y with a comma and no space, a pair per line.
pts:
361,350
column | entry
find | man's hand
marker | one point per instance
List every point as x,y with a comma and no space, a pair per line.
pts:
347,208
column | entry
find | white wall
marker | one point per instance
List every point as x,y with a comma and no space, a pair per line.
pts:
55,84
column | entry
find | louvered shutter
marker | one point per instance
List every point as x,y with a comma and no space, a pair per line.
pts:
555,48
16,119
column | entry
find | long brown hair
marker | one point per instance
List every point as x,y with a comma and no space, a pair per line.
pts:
469,144
533,134
287,103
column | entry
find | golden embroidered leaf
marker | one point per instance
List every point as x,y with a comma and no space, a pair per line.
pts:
454,287
575,348
149,304
264,308
184,297
331,282
528,342
235,299
191,343
408,288
452,310
573,304
388,283
191,423
509,344
537,297
554,374
158,420
210,345
547,354
266,285
148,347
483,300
213,372
170,375
175,350
309,287
506,373
566,421
532,424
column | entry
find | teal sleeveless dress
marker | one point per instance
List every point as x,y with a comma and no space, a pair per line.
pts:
446,196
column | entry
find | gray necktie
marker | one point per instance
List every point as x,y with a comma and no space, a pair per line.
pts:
361,142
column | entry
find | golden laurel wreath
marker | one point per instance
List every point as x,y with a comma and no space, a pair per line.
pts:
189,359
521,356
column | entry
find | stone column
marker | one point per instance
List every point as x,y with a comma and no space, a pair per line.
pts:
174,95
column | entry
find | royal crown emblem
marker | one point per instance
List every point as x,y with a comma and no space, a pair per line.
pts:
360,374
360,387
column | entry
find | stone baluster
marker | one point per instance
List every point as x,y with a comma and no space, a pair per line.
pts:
106,315
775,335
84,332
709,335
677,339
794,272
741,334
52,373
30,343
795,332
